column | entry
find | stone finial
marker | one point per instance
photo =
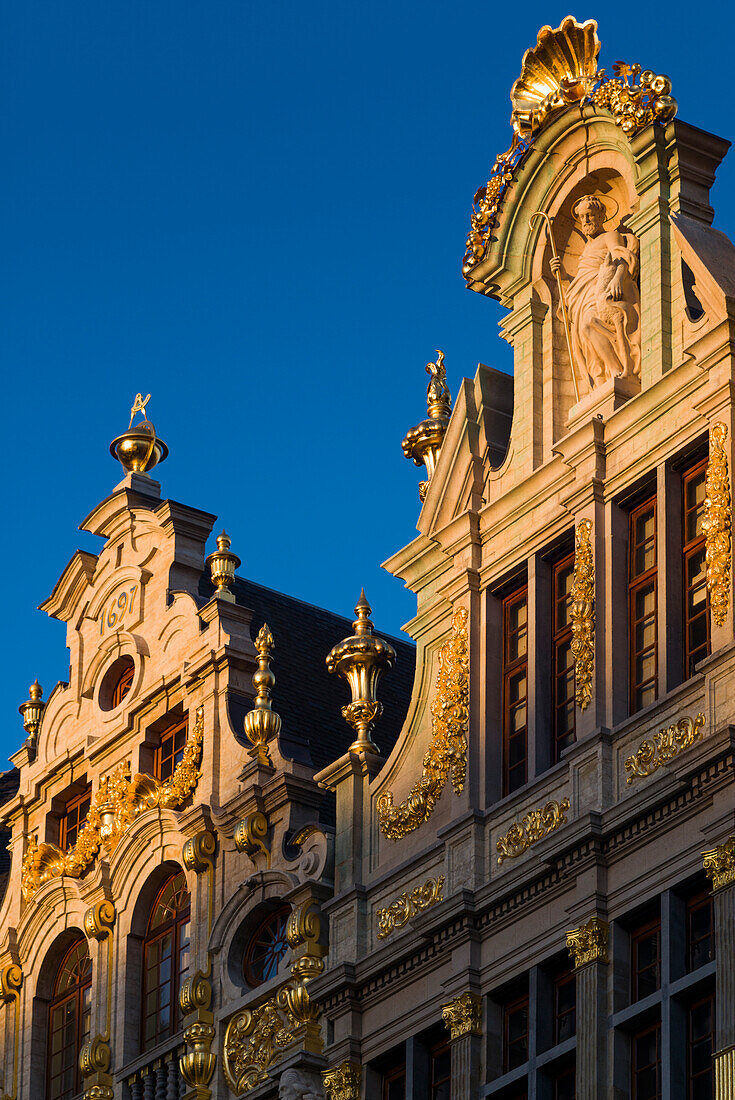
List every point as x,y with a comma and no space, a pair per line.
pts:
222,565
262,723
463,1015
32,711
423,442
719,864
588,943
343,1081
360,659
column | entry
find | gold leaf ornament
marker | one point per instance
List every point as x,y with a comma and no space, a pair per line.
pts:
658,750
583,613
447,752
717,525
533,827
410,902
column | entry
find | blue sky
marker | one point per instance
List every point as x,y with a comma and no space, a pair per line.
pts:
257,213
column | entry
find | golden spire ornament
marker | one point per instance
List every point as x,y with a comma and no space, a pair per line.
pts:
262,723
361,660
423,443
139,449
32,711
222,565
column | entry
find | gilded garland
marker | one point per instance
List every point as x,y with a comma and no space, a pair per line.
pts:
448,748
717,525
583,613
410,902
533,827
654,752
561,71
116,804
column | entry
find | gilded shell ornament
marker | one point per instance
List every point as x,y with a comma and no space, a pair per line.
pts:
559,70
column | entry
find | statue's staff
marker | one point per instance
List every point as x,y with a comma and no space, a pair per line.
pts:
564,314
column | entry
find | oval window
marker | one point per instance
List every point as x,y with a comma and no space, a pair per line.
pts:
266,948
116,683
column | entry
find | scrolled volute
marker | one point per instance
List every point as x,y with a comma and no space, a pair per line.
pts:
198,851
250,834
11,980
95,1056
195,994
99,920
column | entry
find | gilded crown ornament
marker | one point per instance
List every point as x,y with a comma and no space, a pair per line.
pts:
559,73
222,565
361,659
423,442
32,711
139,449
262,723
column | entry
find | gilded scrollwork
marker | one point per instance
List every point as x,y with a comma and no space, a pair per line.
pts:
115,805
256,1038
447,751
534,826
667,743
559,72
583,613
410,902
588,943
717,525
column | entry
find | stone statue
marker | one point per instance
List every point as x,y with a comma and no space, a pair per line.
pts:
603,302
298,1084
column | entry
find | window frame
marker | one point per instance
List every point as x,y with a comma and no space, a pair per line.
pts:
640,1033
690,549
640,933
397,1073
436,1051
566,977
637,582
560,636
173,926
167,738
511,670
74,994
707,998
74,803
509,1010
281,912
121,688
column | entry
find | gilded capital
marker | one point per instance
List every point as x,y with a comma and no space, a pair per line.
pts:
588,943
463,1016
719,864
343,1081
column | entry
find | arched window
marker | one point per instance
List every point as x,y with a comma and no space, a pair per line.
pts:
165,961
68,1022
266,948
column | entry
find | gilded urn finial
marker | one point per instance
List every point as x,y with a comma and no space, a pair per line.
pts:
139,449
32,711
423,443
262,723
361,660
222,565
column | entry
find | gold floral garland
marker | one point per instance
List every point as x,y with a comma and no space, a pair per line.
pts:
717,525
448,749
583,613
117,802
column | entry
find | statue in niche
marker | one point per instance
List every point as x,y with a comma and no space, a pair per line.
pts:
297,1084
603,301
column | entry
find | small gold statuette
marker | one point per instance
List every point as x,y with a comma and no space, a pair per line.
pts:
463,1016
400,911
717,525
533,827
654,752
139,449
583,613
589,942
447,750
719,864
423,443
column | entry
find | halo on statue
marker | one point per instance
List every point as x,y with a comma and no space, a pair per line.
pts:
610,204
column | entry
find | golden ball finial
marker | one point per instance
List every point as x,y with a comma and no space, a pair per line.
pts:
139,449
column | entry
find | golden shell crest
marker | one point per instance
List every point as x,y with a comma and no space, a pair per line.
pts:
560,69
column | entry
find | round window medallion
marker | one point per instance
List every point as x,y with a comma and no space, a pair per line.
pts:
116,683
266,948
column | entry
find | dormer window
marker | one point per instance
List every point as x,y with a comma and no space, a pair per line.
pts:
73,818
170,750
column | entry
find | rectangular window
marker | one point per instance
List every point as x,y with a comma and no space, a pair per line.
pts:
696,601
565,1084
642,606
170,750
563,662
515,691
515,1034
700,931
441,1072
565,1006
701,1045
645,963
73,818
646,1064
394,1084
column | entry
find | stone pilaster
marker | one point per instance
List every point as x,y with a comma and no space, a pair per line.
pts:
588,948
463,1017
719,864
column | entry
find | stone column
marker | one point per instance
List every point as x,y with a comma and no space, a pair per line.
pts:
588,948
719,864
463,1017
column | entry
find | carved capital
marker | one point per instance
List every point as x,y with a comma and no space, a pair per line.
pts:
719,864
588,943
198,850
99,920
463,1016
343,1081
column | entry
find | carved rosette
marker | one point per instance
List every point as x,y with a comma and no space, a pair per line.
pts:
583,613
533,827
400,911
560,72
654,752
463,1016
717,525
719,864
115,805
447,752
588,943
343,1081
